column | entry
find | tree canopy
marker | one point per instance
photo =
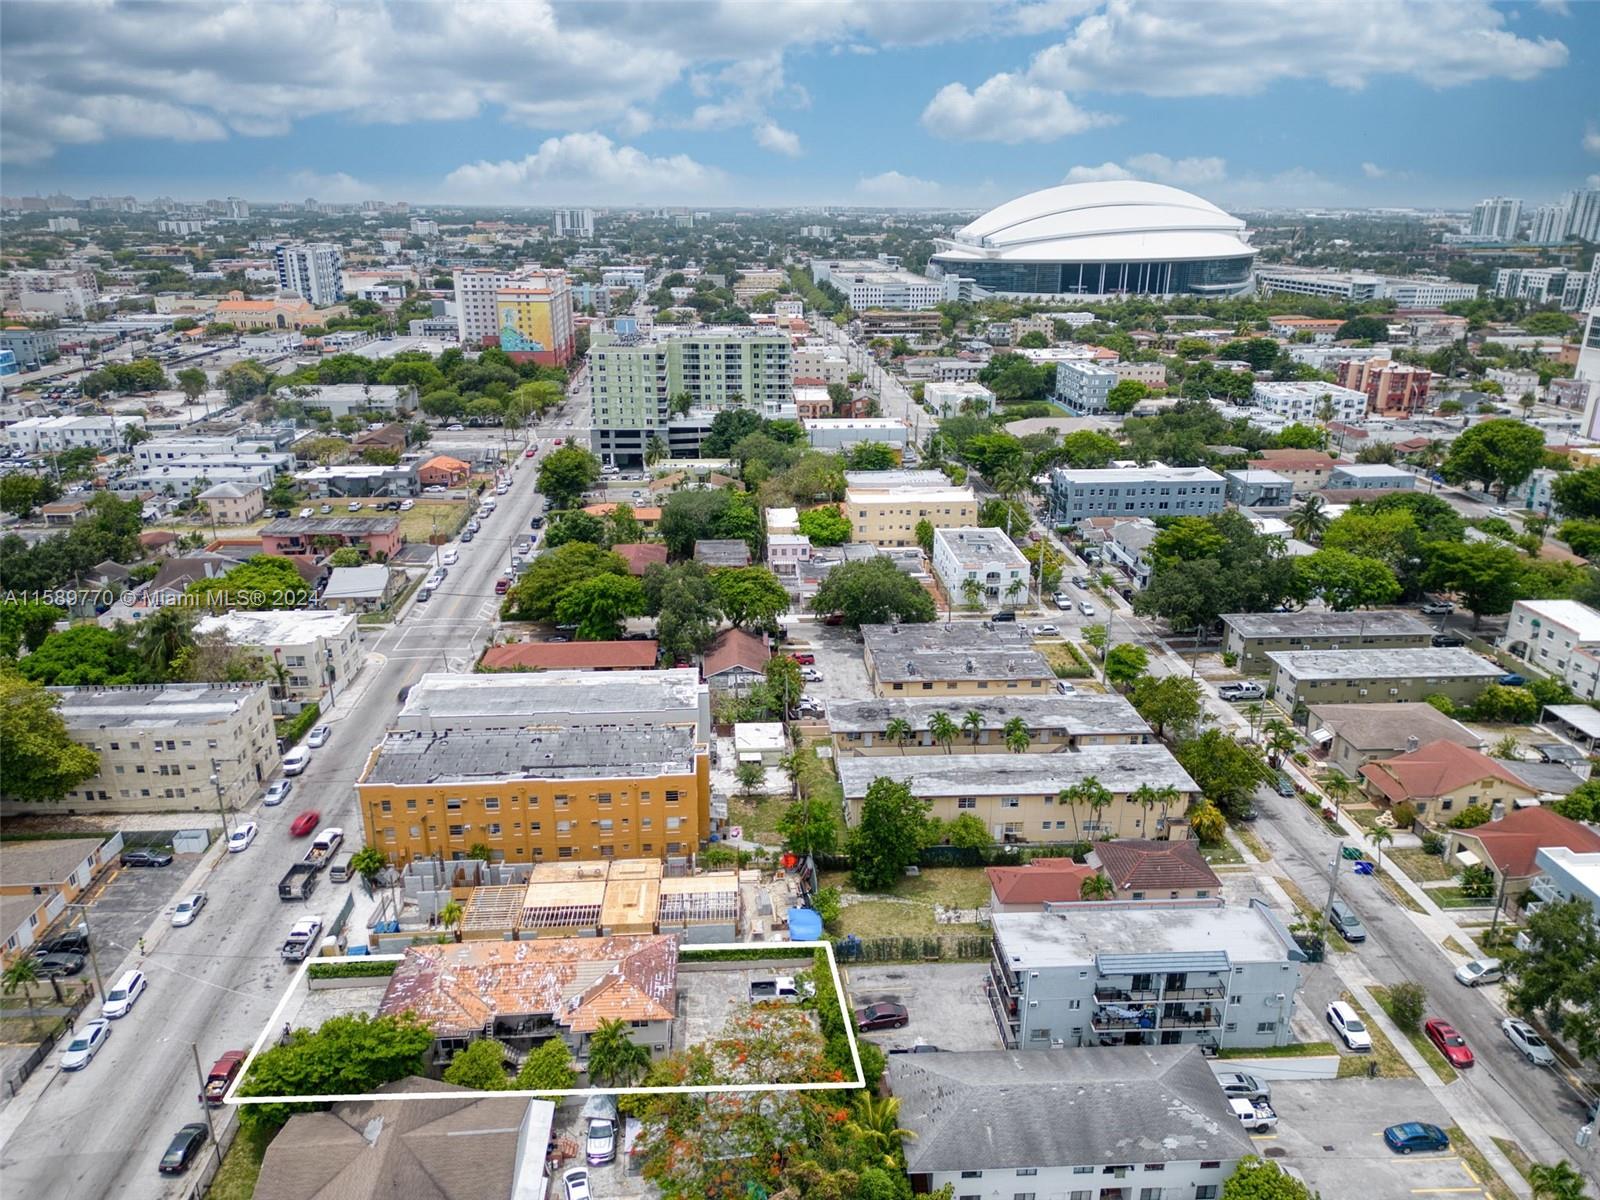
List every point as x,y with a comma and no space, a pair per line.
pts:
537,596
264,581
873,592
825,525
1497,454
565,475
42,763
893,829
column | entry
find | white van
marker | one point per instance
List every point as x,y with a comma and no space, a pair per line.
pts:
124,994
296,760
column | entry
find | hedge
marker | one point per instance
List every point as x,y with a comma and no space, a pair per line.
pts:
294,728
350,970
755,954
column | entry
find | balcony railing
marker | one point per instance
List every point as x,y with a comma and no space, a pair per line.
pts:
1105,1020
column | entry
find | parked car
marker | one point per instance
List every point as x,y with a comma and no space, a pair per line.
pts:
1350,1028
48,966
1415,1135
1499,510
529,452
305,823
407,505
277,792
1282,784
1451,1044
353,506
1064,688
1086,608
450,557
1437,608
1242,691
502,586
74,941
185,1144
85,1044
222,1074
1527,1042
466,536
325,509
1243,1086
188,909
1343,918
296,761
1255,1115
1045,631
881,1016
240,839
124,994
145,858
318,736
804,658
576,1183
1448,639
1512,679
1062,601
1004,615
1480,971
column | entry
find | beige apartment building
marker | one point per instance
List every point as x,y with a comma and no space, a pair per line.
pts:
1053,723
318,650
1316,677
888,516
168,747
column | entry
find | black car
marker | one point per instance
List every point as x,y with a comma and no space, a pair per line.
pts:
1448,639
536,523
145,858
76,942
185,1144
47,966
280,512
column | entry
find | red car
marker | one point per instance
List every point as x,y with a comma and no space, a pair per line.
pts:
804,659
502,586
305,823
529,452
881,1016
1451,1044
556,442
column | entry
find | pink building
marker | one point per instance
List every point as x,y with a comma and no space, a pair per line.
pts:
377,537
1393,389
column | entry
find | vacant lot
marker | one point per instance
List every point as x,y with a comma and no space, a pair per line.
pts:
909,910
758,815
1420,865
447,516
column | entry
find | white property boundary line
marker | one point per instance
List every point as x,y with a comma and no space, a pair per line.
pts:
271,1028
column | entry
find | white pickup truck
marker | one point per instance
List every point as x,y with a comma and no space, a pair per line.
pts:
1255,1115
303,938
322,849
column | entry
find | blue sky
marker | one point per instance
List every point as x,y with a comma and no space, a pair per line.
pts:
915,102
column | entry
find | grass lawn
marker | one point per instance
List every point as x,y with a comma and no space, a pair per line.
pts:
1311,912
19,1030
1456,947
1390,1064
1419,1041
1253,843
418,523
1222,853
953,887
1454,897
1363,815
1296,1050
1420,865
759,816
236,1179
1515,1153
1479,1165
1067,664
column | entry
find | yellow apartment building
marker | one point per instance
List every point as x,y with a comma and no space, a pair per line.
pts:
1052,723
889,516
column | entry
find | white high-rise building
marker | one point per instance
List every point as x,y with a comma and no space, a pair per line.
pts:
1549,226
476,314
1495,218
574,222
236,207
1583,215
422,228
311,271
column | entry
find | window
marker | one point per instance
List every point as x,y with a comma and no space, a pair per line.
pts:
458,831
453,805
1150,1193
1266,1026
605,825
961,801
1155,1166
972,1174
491,803
564,852
602,797
494,828
1206,1191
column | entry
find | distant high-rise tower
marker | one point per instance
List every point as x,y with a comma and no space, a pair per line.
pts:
1495,218
237,207
574,222
1583,215
1549,226
311,271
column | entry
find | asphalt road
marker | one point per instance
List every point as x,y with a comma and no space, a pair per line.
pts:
101,1131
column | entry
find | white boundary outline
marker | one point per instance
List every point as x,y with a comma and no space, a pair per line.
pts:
298,983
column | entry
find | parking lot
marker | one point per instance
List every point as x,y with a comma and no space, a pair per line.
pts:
1331,1131
839,661
124,904
946,1003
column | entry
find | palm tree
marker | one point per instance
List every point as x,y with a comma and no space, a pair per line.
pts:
1339,787
1559,1182
1254,712
163,637
877,1120
1379,837
654,451
1016,588
451,917
1017,736
614,1058
898,731
23,973
1096,887
1308,521
973,724
943,730
971,592
1146,797
1090,792
1280,740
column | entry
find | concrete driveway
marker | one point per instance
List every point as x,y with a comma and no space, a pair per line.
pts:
839,661
946,1002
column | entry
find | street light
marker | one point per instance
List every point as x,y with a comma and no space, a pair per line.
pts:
94,963
216,782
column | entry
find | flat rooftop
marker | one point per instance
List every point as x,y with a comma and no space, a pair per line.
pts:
878,480
1088,476
278,627
1318,623
347,526
1571,614
439,698
976,545
978,650
1258,476
1429,661
1081,937
1371,471
411,758
1121,769
1079,714
153,705
946,493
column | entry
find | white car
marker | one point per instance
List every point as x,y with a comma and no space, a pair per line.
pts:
188,909
1527,1042
124,994
277,792
306,512
488,502
1500,511
353,506
576,1182
318,736
450,557
85,1045
1045,631
1348,1026
296,760
1480,971
435,489
239,840
407,505
1086,608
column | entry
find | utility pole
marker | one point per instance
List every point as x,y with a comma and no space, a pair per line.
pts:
94,963
1333,880
211,1131
222,808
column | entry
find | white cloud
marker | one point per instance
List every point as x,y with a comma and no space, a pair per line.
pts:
1591,138
338,187
582,167
891,187
1006,108
1040,16
770,136
1373,170
1593,181
1181,172
1297,187
635,121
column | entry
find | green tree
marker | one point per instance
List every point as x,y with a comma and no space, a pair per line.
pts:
1345,581
575,525
567,473
192,381
599,605
1088,793
26,623
1497,454
262,582
538,594
21,494
163,638
873,456
1562,1181
87,654
873,592
346,1054
898,731
826,526
548,1067
1226,771
1471,817
1577,494
42,763
244,381
750,774
1582,803
783,679
750,596
1485,577
1407,1003
1583,536
942,730
369,862
810,826
1172,702
615,1059
1557,979
1096,887
346,556
481,1066
1016,735
889,837
1309,518
1207,821
1125,663
1125,395
967,832
1257,1179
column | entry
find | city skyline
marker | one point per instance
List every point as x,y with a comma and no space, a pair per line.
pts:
957,105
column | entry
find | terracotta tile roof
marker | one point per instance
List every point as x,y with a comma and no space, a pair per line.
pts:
606,508
457,988
1058,879
157,537
1513,840
1139,865
640,556
549,656
1294,459
734,648
443,462
1436,769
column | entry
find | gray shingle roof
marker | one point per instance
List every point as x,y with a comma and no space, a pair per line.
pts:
1034,1108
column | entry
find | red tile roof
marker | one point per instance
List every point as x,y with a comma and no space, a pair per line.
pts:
640,556
1436,769
1139,864
1513,840
1294,459
735,648
1044,879
556,656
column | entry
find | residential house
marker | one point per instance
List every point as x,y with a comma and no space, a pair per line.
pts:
375,537
162,543
1561,637
1352,735
1443,777
360,589
722,552
388,437
637,655
1144,869
64,512
1510,846
1053,723
641,556
1307,470
788,553
1252,636
38,879
887,512
443,471
1356,676
1040,882
1148,1122
234,503
1127,546
735,661
1125,973
966,659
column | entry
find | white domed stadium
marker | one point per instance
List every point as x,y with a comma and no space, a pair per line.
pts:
1117,238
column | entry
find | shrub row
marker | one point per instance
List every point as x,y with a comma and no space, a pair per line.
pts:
350,970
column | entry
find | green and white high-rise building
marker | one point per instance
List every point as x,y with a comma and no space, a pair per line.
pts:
635,375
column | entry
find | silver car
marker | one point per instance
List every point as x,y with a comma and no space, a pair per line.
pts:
1528,1043
188,908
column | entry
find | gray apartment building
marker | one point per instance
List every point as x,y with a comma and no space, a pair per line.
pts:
1118,973
1134,492
1373,676
1252,636
1259,489
1085,387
